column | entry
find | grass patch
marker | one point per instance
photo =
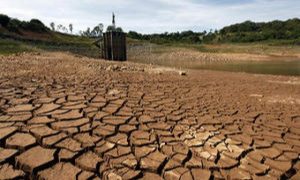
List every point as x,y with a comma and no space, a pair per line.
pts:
8,46
50,41
69,44
68,38
264,48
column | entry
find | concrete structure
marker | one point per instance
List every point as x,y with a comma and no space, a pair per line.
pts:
114,43
114,46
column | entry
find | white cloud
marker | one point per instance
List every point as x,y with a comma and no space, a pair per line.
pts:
152,15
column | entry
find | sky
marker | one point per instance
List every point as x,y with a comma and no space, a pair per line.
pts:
151,16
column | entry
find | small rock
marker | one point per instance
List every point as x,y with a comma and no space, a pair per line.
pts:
123,68
116,67
256,95
182,73
114,92
109,68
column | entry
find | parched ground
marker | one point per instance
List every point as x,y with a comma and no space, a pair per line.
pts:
199,55
67,117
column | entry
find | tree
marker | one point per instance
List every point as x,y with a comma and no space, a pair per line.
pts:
88,32
96,31
101,26
35,25
4,20
135,35
59,27
110,28
52,25
14,25
113,28
64,29
119,29
71,28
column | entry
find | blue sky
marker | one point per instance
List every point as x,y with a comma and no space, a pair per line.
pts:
149,16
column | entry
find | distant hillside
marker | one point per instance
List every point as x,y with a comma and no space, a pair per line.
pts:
34,29
250,31
18,36
279,31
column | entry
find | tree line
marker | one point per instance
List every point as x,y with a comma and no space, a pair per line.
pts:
247,31
184,37
35,25
250,31
15,25
62,28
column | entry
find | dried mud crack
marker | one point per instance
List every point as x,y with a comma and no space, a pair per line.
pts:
64,117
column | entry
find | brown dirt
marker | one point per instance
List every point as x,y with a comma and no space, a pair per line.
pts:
187,57
88,118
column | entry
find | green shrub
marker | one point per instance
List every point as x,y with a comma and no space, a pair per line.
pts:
4,20
35,25
14,25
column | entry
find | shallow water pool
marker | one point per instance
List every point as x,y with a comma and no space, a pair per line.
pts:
278,67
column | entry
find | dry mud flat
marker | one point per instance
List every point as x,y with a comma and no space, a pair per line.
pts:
66,117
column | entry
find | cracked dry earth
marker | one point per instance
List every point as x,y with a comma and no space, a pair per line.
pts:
66,117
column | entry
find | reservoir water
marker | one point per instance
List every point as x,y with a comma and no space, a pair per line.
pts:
278,67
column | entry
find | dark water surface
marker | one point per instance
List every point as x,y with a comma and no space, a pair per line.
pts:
278,67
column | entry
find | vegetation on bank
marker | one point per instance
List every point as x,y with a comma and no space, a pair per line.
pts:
22,36
17,26
19,36
286,32
8,46
251,31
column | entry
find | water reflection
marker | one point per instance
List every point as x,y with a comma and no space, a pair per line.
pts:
278,67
